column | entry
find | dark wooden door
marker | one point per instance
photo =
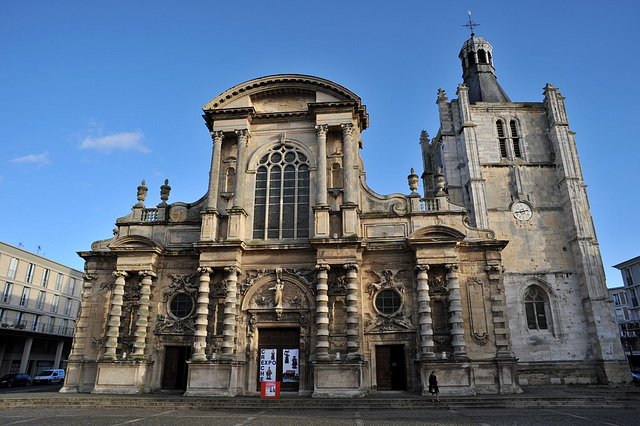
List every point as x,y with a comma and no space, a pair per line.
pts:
390,367
175,367
281,340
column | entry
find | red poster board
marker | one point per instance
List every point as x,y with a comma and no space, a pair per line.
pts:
270,390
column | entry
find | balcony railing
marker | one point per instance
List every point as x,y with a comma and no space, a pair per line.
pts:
39,328
149,215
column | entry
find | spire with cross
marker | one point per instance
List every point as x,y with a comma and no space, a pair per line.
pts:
471,25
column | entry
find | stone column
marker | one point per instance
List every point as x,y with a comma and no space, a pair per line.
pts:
214,173
201,315
455,311
229,332
59,348
353,315
113,326
424,311
238,196
26,354
322,313
350,175
321,186
142,323
80,337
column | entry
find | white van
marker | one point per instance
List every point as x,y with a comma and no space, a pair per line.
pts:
49,376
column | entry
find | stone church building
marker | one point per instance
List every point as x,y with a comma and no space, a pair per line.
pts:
291,269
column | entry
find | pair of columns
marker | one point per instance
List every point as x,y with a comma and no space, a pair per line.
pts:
322,312
115,315
230,311
455,312
214,173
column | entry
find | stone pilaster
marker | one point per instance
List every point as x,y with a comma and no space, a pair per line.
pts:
321,186
201,315
229,331
238,196
353,314
427,345
455,311
322,313
113,326
142,323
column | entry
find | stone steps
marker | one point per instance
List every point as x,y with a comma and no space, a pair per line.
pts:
298,403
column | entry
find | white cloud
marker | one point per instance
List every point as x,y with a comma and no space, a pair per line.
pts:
38,160
127,141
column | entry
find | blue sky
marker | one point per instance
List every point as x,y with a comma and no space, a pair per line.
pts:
98,95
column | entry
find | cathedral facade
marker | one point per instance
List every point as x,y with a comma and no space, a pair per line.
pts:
291,269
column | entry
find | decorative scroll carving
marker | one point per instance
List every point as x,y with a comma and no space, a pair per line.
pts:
338,286
387,278
438,284
306,276
181,284
168,325
98,343
397,322
251,277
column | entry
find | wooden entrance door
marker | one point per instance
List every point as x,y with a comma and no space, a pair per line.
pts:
175,367
285,342
390,367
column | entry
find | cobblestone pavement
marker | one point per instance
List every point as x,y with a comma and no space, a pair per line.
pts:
427,416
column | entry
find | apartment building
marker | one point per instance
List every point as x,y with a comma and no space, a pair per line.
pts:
38,311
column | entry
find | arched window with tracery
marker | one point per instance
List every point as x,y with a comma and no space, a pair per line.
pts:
536,305
281,208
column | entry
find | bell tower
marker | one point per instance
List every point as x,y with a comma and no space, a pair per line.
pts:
478,72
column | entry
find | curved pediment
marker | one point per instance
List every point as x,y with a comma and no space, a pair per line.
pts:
133,242
437,233
281,93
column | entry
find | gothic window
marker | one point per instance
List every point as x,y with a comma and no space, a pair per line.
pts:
502,139
536,308
281,208
515,139
471,59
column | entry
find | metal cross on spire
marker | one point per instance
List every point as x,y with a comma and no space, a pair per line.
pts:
471,25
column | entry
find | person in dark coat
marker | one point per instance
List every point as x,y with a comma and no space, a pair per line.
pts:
433,387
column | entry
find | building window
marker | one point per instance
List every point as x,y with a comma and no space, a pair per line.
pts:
623,298
36,323
627,277
282,195
59,282
54,303
181,305
3,316
45,278
515,139
616,299
30,269
25,296
40,302
63,329
535,303
67,307
502,139
634,297
388,302
50,324
72,286
6,294
13,267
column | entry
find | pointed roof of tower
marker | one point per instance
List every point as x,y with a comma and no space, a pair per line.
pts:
478,72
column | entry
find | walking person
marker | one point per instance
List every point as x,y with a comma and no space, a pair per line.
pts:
433,387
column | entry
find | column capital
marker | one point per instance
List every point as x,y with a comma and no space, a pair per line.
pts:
205,270
322,129
323,267
88,276
217,136
120,274
347,129
147,274
232,270
421,267
452,267
351,266
243,134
